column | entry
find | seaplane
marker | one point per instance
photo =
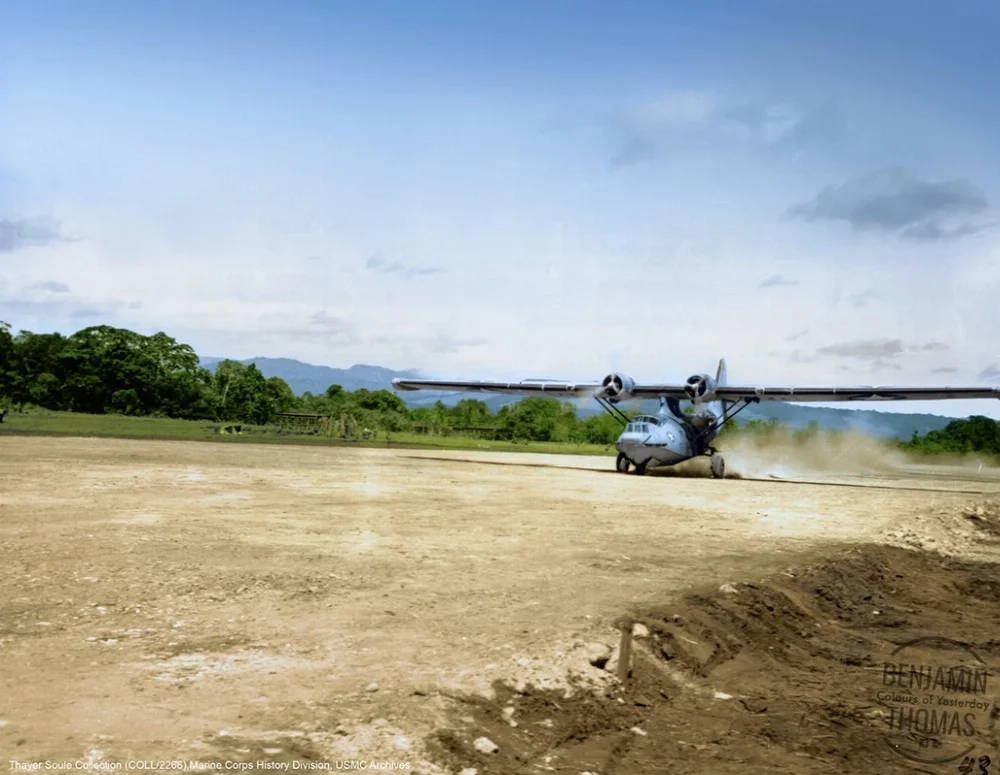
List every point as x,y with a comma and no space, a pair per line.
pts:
672,436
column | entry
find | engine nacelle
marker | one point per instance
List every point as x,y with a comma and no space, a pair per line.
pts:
617,387
700,388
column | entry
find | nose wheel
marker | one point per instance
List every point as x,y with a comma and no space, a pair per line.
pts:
622,464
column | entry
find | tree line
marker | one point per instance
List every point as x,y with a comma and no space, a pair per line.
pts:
106,370
976,434
102,370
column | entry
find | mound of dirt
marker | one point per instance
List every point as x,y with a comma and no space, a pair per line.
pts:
985,520
852,665
973,531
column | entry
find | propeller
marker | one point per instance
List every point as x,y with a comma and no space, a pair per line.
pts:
612,386
696,386
616,387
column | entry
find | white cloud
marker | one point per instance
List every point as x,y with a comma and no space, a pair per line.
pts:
657,127
674,110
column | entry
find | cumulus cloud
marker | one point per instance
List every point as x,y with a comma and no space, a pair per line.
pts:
872,349
894,200
64,307
320,325
932,232
378,263
449,344
861,300
797,356
52,302
51,286
777,280
341,330
437,344
26,232
656,126
882,352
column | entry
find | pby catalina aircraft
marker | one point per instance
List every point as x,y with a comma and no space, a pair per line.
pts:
671,436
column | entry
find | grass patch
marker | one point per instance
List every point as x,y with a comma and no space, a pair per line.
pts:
46,423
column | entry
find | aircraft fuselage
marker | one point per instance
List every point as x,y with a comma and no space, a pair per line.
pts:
652,441
659,441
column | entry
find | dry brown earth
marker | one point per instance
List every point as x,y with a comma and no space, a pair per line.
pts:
239,603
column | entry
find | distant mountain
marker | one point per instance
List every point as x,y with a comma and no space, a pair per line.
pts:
306,377
869,421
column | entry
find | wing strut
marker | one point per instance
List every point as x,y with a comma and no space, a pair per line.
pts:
726,417
613,410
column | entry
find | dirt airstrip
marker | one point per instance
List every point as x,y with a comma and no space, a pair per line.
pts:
445,612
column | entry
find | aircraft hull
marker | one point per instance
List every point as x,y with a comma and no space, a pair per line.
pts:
652,457
665,445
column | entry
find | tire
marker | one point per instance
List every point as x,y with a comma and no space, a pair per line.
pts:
622,464
640,469
718,466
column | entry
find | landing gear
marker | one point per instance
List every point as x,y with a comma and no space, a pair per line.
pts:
622,464
640,469
718,463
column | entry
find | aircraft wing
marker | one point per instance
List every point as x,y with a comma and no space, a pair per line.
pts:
526,388
833,394
558,389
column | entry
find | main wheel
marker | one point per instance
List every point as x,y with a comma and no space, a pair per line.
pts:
640,469
718,466
622,464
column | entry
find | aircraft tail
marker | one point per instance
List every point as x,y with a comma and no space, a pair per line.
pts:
720,380
720,375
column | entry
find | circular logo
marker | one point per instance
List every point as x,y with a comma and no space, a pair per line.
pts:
939,697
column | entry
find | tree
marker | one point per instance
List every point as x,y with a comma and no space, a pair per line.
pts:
600,429
377,400
6,362
533,418
975,434
244,393
379,409
281,394
470,411
38,371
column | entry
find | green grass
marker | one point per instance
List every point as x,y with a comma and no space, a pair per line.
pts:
45,423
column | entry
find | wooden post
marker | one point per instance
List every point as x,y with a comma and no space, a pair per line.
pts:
625,653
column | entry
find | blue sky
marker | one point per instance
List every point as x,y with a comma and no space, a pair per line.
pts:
515,189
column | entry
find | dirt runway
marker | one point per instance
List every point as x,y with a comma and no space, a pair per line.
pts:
220,602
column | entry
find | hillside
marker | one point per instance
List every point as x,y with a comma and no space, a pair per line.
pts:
306,377
309,378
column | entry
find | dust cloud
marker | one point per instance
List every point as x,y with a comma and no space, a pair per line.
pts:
780,453
783,454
